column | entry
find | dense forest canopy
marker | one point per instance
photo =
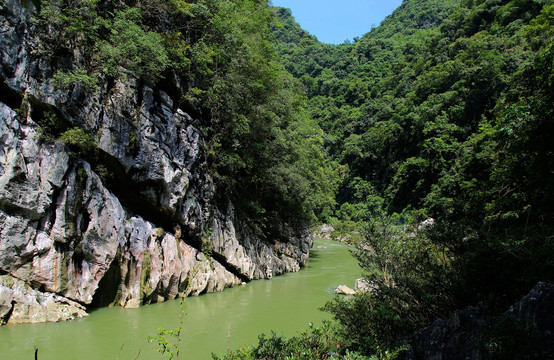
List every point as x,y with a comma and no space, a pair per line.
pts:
399,105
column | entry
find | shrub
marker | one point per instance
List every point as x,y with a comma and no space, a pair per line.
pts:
66,80
412,277
313,343
78,140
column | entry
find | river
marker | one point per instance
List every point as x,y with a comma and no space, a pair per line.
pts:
286,305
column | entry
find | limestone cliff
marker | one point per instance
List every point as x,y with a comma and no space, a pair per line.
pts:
130,224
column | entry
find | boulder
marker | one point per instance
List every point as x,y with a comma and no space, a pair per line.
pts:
364,286
536,309
426,224
21,304
344,290
324,232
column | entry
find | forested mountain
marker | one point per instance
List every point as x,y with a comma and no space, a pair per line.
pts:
397,104
444,111
346,85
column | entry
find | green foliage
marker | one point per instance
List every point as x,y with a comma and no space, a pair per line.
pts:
265,151
129,48
103,172
65,80
177,51
65,25
50,125
313,343
112,40
167,341
348,88
207,247
400,105
79,140
411,277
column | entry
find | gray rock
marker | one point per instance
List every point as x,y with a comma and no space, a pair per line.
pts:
536,309
19,304
324,232
426,224
344,290
364,286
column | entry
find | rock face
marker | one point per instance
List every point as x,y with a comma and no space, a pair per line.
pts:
128,225
536,309
526,330
19,303
360,286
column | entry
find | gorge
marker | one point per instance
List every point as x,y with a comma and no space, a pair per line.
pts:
286,305
152,149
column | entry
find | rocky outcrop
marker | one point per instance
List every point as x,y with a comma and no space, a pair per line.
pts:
133,222
19,303
536,309
526,330
325,232
361,286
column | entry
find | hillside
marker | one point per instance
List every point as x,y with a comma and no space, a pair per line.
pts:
443,110
439,125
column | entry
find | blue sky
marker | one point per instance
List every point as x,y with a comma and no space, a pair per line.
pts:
334,21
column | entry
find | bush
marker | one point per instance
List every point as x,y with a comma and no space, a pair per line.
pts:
313,343
78,140
412,278
65,80
130,48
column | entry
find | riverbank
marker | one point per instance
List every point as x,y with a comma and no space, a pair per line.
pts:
286,304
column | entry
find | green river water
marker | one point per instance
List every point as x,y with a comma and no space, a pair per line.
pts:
286,305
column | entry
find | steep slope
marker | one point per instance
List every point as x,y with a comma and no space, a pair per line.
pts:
125,175
398,105
347,87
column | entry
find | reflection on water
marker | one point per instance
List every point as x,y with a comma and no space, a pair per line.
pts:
286,304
